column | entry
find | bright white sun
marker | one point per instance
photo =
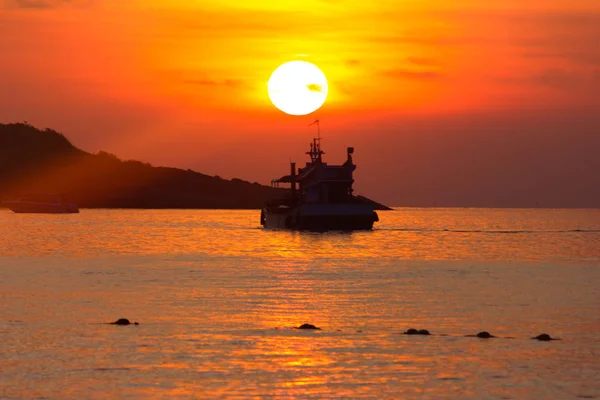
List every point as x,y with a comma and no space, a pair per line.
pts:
298,87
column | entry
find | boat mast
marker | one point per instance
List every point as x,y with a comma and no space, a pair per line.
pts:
315,147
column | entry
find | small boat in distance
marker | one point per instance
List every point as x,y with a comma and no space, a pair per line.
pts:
42,204
320,198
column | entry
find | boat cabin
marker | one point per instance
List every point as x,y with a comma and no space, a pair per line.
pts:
318,182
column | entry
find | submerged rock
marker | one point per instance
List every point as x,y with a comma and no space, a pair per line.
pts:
482,335
413,331
308,326
123,321
544,337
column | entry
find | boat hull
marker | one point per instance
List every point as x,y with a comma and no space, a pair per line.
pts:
320,218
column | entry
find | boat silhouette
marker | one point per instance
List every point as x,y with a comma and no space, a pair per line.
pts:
320,197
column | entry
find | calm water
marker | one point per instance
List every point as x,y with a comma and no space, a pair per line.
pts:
217,299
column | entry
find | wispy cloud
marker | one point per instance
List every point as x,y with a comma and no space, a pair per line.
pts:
44,4
211,82
314,87
572,37
416,39
560,79
422,61
413,75
565,79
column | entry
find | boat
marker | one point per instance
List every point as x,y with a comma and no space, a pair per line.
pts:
43,204
320,197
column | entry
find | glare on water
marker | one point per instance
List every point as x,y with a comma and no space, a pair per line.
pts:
217,299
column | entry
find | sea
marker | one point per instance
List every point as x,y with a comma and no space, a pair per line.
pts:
218,300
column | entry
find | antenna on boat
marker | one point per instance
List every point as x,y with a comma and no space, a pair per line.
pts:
318,128
315,147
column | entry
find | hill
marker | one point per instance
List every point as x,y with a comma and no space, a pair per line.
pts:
44,161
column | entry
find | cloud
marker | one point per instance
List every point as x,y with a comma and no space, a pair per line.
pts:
423,61
590,56
564,79
549,36
559,79
314,87
413,39
211,82
413,75
570,88
574,40
44,4
235,23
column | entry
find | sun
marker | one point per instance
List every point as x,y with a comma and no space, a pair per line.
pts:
298,87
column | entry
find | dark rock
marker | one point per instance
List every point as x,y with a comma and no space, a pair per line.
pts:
124,321
308,326
412,331
482,335
544,337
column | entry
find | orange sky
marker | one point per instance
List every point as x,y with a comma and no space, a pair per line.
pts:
183,83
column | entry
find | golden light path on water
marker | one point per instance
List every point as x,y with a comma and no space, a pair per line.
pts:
218,297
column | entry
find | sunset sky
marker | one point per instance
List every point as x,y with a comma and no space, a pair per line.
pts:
446,102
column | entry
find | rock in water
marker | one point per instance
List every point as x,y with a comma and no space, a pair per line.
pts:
412,331
544,337
308,326
123,321
482,335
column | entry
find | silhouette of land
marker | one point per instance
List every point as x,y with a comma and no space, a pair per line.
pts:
44,161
